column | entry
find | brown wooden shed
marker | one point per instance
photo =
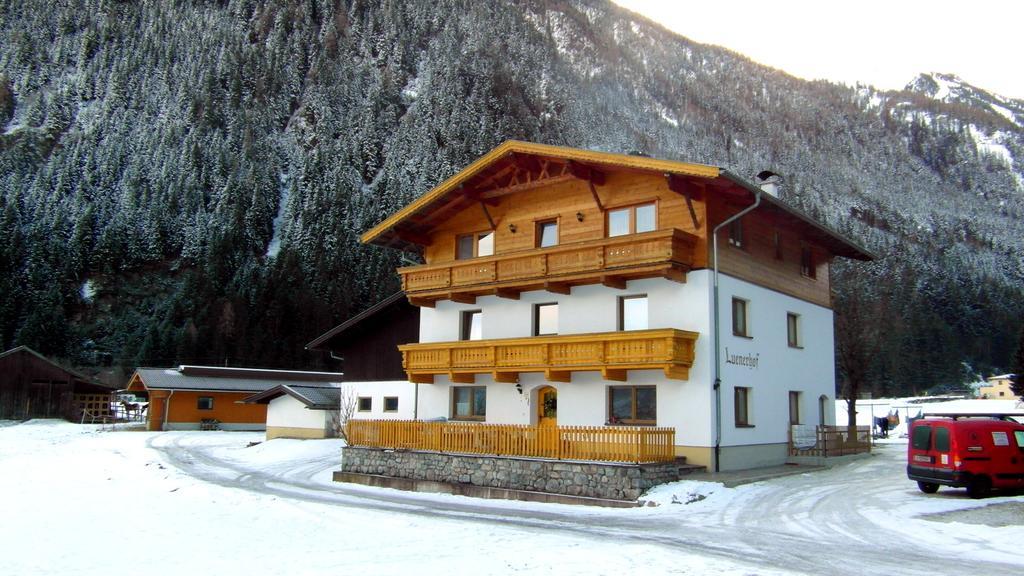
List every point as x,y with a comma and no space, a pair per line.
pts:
33,386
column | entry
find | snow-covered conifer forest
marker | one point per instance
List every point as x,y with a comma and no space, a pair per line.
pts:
185,182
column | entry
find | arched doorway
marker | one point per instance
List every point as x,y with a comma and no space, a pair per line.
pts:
547,406
822,410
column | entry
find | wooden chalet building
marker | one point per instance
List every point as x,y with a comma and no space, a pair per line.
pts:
211,397
569,289
33,386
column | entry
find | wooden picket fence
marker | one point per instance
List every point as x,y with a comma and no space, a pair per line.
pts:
632,444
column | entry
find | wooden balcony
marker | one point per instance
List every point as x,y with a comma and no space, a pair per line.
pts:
611,353
635,444
610,261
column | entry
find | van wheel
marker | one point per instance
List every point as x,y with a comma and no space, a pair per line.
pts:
979,487
928,487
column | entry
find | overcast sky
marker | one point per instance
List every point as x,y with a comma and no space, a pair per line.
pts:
884,43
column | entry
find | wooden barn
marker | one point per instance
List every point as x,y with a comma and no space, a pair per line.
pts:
33,386
209,397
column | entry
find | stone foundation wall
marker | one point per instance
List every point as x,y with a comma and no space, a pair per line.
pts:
573,478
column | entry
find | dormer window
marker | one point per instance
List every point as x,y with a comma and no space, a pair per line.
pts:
632,220
474,245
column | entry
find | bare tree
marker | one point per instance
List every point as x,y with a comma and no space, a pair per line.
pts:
346,408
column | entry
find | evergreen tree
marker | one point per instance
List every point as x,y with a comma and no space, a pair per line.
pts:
1018,366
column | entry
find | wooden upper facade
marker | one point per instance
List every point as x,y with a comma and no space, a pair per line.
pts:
537,217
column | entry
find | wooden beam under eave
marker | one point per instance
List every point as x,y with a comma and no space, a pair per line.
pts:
497,192
462,298
677,372
557,376
417,378
614,282
558,288
462,378
676,274
506,377
613,374
413,237
422,302
584,172
507,293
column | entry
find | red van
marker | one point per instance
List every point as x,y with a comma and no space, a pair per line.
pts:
977,453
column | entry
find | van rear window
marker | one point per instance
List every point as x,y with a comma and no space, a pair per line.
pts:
942,439
922,439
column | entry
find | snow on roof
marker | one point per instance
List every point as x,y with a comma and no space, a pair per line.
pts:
217,379
1000,377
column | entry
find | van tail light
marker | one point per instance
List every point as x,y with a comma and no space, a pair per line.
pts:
957,463
974,448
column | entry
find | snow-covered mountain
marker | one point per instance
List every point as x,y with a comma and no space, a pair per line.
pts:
187,181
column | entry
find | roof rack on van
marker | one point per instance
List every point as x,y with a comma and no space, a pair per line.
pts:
958,415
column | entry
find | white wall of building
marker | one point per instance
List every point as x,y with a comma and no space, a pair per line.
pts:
287,412
688,406
779,368
377,391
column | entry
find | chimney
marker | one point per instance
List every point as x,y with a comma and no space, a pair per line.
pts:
770,182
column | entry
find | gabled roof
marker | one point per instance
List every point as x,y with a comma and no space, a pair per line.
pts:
215,379
396,299
515,165
76,374
314,397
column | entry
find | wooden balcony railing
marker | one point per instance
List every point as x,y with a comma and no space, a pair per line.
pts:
611,353
604,444
665,253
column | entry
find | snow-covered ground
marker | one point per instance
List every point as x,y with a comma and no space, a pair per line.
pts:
81,500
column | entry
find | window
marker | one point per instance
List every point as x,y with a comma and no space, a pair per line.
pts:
794,407
942,439
472,325
822,409
741,402
547,233
632,220
1018,435
736,233
632,405
740,327
922,439
365,403
391,403
474,245
793,329
777,243
205,403
807,267
469,402
545,319
633,312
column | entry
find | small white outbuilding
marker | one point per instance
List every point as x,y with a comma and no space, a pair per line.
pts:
300,411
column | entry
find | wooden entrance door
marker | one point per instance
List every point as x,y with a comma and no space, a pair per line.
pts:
547,406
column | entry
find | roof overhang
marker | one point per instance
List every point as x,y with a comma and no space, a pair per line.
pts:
511,167
516,166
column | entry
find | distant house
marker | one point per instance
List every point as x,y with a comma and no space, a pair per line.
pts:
300,411
33,386
998,388
197,397
367,345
